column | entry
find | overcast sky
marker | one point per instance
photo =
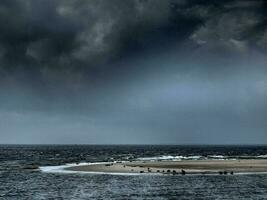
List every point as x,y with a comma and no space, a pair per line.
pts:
133,71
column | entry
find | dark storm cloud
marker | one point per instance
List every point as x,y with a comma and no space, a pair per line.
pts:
48,37
64,33
237,26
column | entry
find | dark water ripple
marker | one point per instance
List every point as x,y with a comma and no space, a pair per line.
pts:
16,182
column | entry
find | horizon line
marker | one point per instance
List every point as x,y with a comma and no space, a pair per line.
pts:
129,144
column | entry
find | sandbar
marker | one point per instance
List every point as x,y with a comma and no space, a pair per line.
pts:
178,167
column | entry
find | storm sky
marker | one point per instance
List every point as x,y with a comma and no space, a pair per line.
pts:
133,71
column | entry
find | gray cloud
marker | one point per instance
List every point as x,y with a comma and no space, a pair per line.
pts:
77,35
238,26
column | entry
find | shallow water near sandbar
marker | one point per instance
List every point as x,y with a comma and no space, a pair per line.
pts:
19,181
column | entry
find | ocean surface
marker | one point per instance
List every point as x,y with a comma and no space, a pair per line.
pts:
20,180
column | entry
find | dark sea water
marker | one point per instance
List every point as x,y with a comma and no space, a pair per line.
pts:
17,181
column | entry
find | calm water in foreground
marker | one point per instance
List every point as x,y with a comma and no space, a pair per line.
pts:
18,182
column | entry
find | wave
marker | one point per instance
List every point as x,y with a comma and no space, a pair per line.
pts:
177,158
169,158
262,156
199,157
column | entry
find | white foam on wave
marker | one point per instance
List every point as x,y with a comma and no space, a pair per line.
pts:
180,158
250,173
217,156
172,158
60,168
262,156
160,158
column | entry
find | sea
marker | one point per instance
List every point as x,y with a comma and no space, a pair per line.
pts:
24,173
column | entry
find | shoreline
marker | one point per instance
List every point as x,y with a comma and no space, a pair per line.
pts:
193,167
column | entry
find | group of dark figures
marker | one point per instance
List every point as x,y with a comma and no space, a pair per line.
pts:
174,172
183,172
225,173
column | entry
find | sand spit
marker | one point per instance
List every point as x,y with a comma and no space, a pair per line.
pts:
177,167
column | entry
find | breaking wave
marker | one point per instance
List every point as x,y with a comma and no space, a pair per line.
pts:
199,157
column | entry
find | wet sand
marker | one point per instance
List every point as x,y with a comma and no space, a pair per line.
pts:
177,167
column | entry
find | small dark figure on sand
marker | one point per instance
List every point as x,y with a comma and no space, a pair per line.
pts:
225,172
183,172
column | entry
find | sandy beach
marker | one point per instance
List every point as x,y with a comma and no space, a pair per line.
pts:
178,167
